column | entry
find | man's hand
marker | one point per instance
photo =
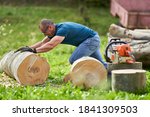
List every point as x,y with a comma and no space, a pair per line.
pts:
26,49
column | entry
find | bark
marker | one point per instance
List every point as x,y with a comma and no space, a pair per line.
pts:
117,31
130,80
112,66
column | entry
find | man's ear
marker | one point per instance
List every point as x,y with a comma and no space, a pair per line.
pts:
51,27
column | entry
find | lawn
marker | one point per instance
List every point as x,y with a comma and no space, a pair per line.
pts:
19,27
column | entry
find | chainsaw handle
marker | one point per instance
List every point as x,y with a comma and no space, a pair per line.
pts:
114,40
107,47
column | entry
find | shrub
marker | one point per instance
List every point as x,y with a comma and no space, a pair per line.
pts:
91,3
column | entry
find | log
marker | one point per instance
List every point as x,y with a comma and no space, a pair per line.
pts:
142,30
87,72
130,80
26,67
117,31
130,41
141,53
118,66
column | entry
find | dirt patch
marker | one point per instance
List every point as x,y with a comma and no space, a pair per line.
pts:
7,81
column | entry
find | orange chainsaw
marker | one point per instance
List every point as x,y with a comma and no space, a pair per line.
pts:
118,51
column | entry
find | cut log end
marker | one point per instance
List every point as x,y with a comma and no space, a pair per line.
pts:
33,70
116,30
87,72
113,29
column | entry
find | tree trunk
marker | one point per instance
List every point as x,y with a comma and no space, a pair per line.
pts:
130,80
26,67
87,72
117,31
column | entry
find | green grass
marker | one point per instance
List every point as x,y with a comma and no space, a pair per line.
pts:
19,27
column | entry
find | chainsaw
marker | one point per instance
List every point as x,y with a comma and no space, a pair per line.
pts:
118,51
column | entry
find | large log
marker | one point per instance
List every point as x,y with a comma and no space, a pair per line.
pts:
117,31
87,72
118,66
130,80
27,68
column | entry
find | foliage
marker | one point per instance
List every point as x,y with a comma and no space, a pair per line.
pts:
91,3
19,27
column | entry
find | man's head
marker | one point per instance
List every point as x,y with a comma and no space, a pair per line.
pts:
47,27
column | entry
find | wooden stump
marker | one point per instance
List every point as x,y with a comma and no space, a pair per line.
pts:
117,66
130,80
87,72
114,66
26,67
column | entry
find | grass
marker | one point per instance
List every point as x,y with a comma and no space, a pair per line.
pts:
19,27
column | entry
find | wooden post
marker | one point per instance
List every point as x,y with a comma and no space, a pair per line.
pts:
130,80
87,72
26,67
116,66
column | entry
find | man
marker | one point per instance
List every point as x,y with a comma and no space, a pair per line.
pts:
85,39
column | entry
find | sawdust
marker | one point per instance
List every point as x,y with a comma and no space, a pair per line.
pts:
6,81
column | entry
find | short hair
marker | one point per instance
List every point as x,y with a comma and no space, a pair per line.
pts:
46,22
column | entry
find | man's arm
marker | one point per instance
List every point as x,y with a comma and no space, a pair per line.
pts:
50,45
40,43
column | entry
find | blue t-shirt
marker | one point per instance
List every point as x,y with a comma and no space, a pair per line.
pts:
74,33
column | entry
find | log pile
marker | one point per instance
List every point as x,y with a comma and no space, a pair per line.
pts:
139,41
87,72
26,67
